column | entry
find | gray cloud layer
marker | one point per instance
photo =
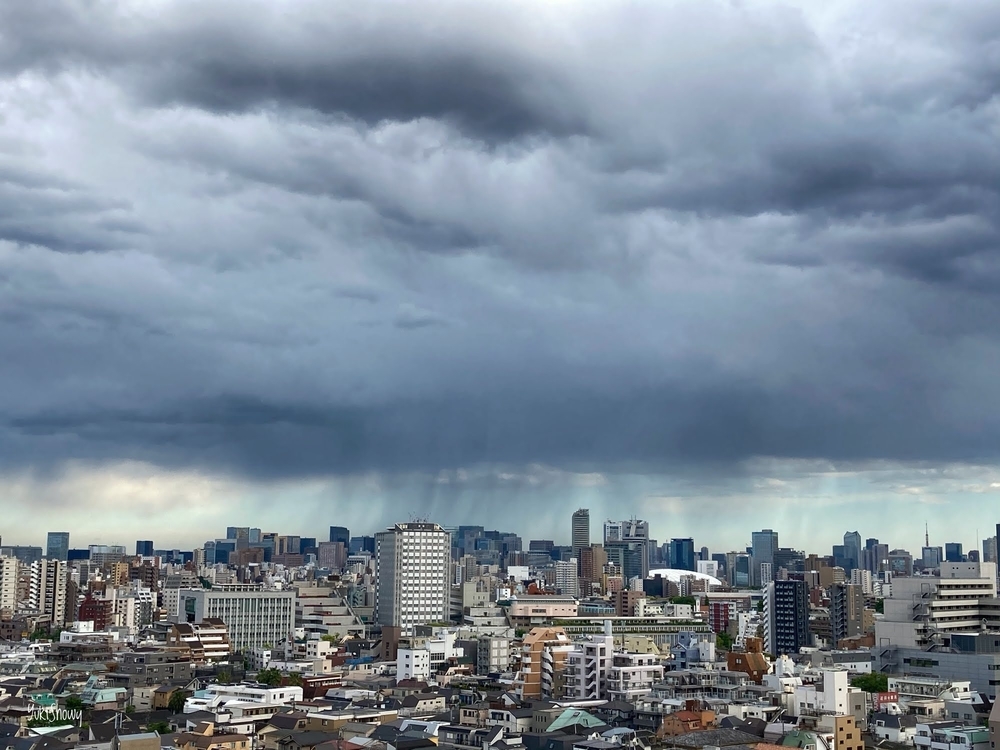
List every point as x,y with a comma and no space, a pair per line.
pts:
308,238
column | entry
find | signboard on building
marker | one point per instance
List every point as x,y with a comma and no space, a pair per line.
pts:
884,699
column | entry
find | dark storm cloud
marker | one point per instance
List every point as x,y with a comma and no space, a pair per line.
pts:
370,63
338,238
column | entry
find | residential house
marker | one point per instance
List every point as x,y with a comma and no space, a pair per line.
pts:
897,728
204,737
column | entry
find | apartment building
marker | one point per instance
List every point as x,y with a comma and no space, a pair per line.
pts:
787,617
207,641
146,667
847,609
8,583
47,590
544,652
412,563
588,665
632,676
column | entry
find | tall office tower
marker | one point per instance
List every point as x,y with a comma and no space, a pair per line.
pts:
331,555
787,614
723,562
742,571
412,562
953,552
341,534
47,590
635,530
105,555
288,544
764,545
144,548
362,544
791,560
57,545
308,546
840,557
239,535
990,549
932,557
8,584
899,562
852,550
682,554
630,557
880,554
254,536
703,554
869,559
612,531
580,532
592,562
847,607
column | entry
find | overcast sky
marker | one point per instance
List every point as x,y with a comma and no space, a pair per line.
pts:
720,265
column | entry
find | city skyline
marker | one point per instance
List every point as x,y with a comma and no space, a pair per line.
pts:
785,541
712,262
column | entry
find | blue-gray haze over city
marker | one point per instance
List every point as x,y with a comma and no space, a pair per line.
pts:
720,265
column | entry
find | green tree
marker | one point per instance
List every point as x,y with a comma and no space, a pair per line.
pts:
160,727
74,703
224,677
269,677
129,709
294,679
876,682
334,638
724,641
683,600
176,703
880,606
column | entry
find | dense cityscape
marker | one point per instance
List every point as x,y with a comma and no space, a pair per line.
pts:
499,375
425,635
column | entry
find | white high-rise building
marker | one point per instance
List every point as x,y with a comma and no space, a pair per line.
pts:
47,591
708,568
8,583
567,580
863,578
412,562
588,666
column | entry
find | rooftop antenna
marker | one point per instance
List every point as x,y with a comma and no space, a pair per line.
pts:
927,535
